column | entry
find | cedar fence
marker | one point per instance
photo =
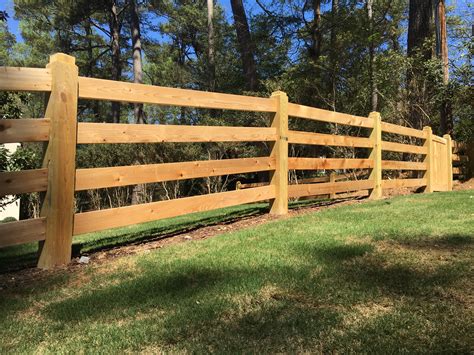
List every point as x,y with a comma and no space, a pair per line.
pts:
59,179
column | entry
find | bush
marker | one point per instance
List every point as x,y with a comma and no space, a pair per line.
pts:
8,219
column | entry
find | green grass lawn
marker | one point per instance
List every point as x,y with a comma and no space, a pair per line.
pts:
389,276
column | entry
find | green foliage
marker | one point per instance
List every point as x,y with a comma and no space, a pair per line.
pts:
174,36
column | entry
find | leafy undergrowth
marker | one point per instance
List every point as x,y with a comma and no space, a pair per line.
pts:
388,276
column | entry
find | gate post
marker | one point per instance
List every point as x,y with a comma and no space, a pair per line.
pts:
449,164
59,159
279,177
376,156
429,159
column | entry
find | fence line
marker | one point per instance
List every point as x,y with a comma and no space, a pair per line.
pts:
59,178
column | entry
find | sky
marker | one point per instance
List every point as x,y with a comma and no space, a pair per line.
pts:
460,7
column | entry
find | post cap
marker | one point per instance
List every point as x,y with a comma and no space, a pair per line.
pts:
61,57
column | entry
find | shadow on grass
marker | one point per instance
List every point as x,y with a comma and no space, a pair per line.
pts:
228,302
366,268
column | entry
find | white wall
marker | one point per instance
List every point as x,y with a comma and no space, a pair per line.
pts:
13,209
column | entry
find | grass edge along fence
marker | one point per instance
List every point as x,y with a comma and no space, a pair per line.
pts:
59,179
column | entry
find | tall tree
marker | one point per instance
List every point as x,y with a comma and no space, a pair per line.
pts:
372,80
333,51
115,24
446,118
211,45
136,56
246,45
420,33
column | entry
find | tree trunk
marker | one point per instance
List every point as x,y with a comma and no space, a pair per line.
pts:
373,83
316,36
138,192
446,118
420,29
116,62
136,56
210,46
246,46
333,50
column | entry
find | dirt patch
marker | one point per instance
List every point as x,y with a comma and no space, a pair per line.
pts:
463,185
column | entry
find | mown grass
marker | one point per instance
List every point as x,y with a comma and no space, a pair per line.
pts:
390,276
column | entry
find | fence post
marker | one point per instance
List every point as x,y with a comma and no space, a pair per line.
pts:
449,157
429,159
279,177
59,159
376,156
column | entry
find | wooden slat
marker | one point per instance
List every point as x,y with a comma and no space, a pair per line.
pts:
317,114
19,232
403,165
328,163
298,137
24,130
438,139
405,131
327,188
96,178
457,171
139,133
100,89
118,217
404,148
392,184
60,160
25,79
19,182
279,151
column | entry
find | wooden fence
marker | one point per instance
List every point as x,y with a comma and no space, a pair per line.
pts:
59,179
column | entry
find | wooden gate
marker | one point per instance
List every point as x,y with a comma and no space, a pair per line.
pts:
441,161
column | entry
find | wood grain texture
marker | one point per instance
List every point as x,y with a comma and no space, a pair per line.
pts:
317,114
376,156
101,89
96,178
429,159
279,177
439,171
118,217
403,165
25,79
60,160
397,183
19,182
298,137
449,159
20,232
328,163
24,130
438,139
405,131
328,188
138,133
404,148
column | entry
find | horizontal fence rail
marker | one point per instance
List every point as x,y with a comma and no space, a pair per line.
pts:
364,174
122,216
139,133
298,137
95,178
24,130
